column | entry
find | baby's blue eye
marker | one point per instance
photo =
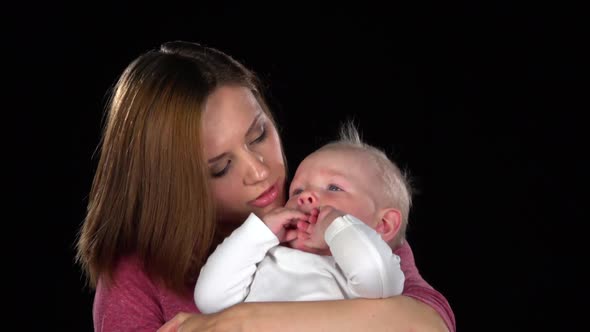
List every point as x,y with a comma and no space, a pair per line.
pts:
296,192
334,188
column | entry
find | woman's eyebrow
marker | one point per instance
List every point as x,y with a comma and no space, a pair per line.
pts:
250,129
217,158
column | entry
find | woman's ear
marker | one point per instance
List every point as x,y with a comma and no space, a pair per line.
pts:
389,223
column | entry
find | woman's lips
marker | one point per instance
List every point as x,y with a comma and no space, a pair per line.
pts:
267,197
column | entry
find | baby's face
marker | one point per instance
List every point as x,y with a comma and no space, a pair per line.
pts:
344,178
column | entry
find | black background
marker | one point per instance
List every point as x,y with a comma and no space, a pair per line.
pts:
481,103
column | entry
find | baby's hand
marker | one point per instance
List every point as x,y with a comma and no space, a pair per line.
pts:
315,228
283,222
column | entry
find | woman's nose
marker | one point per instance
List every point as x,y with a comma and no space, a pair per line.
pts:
257,169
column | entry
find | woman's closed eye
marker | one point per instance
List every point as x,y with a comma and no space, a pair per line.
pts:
222,172
261,137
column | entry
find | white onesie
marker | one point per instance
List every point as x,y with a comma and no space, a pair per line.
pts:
251,266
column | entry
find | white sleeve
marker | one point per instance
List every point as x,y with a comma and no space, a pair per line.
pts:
226,276
369,264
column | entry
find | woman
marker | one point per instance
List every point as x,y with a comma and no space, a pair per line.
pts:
190,148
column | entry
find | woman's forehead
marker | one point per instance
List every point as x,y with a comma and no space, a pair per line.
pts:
230,105
227,116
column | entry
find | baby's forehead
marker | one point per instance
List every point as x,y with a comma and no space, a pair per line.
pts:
342,151
341,160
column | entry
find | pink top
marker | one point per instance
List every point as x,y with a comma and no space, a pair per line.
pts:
134,303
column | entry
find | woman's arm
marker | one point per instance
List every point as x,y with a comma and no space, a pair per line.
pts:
397,313
417,288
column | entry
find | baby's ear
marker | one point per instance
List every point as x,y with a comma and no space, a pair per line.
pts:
389,223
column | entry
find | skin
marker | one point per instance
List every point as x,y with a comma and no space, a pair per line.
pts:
396,314
330,183
333,182
244,154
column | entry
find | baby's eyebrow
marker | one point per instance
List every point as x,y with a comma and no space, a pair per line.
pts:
335,175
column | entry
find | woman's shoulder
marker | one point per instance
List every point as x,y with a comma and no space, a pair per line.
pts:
132,292
128,277
404,251
130,297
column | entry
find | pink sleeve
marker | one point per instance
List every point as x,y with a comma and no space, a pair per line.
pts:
419,289
129,303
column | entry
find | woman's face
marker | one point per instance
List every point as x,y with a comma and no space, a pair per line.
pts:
244,156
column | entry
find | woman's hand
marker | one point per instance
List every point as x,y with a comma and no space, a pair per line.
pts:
228,320
189,322
173,324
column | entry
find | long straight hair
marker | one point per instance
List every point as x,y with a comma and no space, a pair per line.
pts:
150,196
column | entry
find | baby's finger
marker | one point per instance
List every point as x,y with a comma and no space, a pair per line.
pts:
291,214
302,225
290,235
313,219
303,235
310,228
309,243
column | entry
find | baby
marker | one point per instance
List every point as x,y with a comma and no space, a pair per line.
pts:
348,208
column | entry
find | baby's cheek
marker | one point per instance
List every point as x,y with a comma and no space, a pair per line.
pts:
292,203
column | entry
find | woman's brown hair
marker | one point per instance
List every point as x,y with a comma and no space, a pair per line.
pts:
150,197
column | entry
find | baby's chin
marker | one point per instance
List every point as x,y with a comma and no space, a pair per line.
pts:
298,244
